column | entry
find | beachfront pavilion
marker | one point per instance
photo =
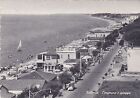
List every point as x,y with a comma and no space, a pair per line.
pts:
99,32
133,59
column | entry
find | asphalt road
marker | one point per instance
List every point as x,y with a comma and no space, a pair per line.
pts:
93,77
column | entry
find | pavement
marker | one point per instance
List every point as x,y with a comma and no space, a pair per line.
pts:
92,80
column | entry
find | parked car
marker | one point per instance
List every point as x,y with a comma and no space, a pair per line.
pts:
71,88
30,66
107,49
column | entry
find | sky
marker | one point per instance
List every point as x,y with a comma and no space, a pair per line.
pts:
68,6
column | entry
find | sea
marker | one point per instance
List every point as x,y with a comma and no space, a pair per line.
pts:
40,33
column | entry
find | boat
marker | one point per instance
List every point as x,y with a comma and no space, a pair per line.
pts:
19,46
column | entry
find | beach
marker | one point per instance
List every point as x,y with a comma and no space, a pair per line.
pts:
40,33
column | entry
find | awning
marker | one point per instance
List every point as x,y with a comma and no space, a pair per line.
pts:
87,57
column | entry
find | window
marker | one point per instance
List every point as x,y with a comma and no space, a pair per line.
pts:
47,57
39,57
52,67
39,65
49,68
61,56
46,67
68,56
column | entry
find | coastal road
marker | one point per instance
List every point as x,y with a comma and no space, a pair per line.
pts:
92,78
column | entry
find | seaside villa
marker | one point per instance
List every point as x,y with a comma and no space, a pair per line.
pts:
48,61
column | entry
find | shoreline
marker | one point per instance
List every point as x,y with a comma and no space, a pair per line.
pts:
111,23
108,20
100,19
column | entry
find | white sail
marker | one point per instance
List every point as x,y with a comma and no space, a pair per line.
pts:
19,46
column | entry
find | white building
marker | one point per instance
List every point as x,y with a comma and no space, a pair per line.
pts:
98,34
69,51
133,59
48,61
129,19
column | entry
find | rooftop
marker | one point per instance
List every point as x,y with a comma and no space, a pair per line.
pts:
21,84
38,75
49,53
3,86
8,93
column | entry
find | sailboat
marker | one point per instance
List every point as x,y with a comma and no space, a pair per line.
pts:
19,46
